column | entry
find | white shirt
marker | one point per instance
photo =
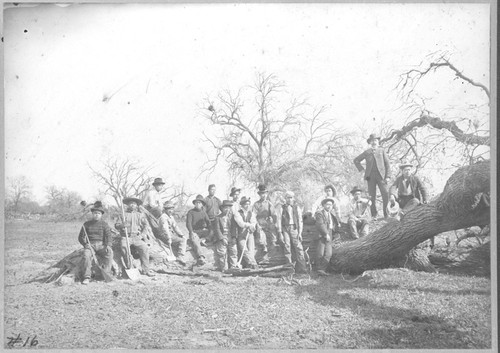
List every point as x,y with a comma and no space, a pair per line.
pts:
155,198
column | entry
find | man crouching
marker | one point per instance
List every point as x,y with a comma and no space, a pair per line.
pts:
170,231
99,234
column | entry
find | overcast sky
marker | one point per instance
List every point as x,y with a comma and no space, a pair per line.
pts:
158,62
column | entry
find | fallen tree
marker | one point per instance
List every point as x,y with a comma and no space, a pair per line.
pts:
463,203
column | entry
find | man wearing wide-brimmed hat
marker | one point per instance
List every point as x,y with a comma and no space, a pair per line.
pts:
198,224
155,198
330,193
408,190
246,227
265,213
225,244
138,232
328,226
289,224
170,231
377,172
99,234
358,214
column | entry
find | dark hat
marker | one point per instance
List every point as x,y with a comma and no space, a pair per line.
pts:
262,189
128,200
97,206
244,200
227,203
233,190
330,186
372,137
168,204
356,189
158,181
405,164
326,200
201,199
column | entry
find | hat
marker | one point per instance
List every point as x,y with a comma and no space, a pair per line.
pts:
168,204
330,186
244,200
158,181
356,189
393,210
326,200
128,200
405,164
262,189
201,199
97,207
234,189
372,137
227,203
289,193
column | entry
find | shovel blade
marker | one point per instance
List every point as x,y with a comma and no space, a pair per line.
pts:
132,274
170,255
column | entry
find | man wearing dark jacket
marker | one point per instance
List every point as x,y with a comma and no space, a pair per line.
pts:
212,208
99,234
408,190
377,172
198,223
328,226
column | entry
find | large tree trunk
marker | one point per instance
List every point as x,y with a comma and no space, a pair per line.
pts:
463,203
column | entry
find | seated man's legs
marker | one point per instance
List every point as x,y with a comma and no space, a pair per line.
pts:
143,250
353,229
105,257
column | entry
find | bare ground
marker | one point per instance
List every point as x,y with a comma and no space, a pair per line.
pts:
391,308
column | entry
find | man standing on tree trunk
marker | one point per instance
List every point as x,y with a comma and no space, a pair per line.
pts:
328,226
289,223
377,172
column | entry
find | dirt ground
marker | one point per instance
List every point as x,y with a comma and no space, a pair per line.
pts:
392,308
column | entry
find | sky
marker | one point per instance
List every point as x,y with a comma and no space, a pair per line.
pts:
157,63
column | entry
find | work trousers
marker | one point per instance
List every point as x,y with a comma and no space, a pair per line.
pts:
181,243
375,180
406,203
324,252
358,227
223,252
293,248
195,241
246,246
267,233
139,246
105,258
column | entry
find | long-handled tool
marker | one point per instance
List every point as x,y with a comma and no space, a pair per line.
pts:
243,250
132,273
107,277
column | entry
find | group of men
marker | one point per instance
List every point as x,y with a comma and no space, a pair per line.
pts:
235,227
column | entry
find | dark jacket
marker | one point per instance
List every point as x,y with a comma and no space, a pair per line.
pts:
417,188
322,222
197,220
219,227
213,206
378,159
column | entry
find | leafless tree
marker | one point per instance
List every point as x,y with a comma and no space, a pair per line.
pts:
126,177
265,140
427,135
18,188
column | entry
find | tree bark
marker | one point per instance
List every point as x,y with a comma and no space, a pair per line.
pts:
463,203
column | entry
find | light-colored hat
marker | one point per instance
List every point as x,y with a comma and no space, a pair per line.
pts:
405,164
326,200
393,210
289,194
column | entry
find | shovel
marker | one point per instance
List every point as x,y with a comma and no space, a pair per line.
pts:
132,273
107,277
